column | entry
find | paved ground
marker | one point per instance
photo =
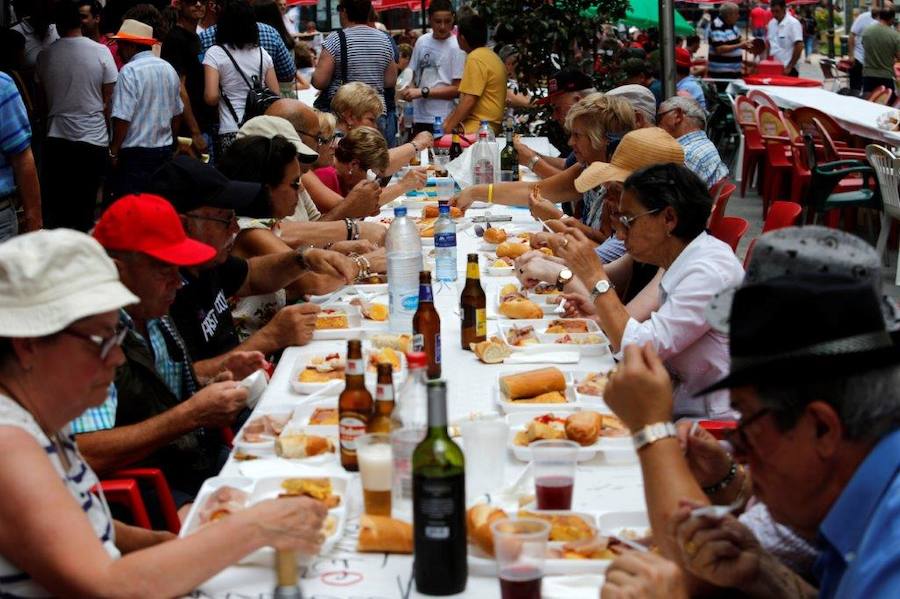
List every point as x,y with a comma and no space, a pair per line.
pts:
750,208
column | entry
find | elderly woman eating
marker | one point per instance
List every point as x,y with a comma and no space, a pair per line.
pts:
662,220
59,349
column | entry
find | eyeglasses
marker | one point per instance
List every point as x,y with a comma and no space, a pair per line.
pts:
738,437
106,344
296,185
227,222
627,220
319,139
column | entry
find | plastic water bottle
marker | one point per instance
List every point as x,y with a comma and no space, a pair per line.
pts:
495,148
441,155
487,129
404,262
411,409
408,118
445,245
484,160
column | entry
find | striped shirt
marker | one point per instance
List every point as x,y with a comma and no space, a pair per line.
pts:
702,157
15,131
269,40
727,65
78,479
147,95
370,54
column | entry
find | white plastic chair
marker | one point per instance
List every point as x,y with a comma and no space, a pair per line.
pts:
887,169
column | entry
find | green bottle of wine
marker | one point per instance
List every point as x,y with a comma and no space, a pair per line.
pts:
509,157
439,504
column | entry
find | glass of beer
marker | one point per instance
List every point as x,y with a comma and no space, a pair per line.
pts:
373,452
553,463
520,547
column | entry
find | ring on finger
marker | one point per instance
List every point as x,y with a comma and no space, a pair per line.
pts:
690,548
565,242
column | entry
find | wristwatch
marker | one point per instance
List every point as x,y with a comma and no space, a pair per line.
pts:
564,276
426,91
534,160
600,287
653,433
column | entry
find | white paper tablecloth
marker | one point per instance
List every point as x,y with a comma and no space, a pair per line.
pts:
600,487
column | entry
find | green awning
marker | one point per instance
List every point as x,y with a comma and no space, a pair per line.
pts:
644,14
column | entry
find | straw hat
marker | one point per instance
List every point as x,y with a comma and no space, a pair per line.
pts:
638,149
51,278
135,32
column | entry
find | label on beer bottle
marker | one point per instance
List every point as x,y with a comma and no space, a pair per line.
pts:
425,294
418,342
437,348
472,270
351,426
445,240
355,367
384,392
481,322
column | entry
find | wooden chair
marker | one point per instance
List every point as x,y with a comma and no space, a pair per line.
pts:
887,169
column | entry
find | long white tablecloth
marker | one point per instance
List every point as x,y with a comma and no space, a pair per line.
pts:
600,486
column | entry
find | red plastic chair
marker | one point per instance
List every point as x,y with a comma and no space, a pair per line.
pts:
880,95
721,192
155,477
777,137
125,492
754,149
718,428
730,230
781,214
761,98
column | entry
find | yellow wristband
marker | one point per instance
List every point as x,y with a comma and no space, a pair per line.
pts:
490,193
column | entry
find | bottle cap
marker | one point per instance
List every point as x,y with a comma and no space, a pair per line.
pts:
416,359
443,208
400,211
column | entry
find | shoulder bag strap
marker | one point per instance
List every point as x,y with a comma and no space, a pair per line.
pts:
345,58
222,95
260,66
236,67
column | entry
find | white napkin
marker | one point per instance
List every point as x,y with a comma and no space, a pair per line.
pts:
549,357
585,586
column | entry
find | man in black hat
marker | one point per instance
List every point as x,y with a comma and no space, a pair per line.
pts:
206,201
816,378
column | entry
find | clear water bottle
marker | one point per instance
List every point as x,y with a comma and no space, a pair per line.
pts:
495,148
404,262
445,245
484,160
411,411
441,155
408,120
488,130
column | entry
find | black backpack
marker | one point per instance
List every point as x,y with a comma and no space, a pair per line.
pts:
259,97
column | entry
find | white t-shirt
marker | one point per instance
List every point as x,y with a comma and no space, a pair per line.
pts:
433,63
782,37
231,82
859,25
72,71
33,45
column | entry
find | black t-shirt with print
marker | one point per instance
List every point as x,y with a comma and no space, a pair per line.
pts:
201,311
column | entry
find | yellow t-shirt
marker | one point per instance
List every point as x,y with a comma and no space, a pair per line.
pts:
484,76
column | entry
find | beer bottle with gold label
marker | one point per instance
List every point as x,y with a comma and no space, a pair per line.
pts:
427,327
381,421
354,405
472,304
455,147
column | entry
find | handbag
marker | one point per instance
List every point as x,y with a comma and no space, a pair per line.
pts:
323,100
259,97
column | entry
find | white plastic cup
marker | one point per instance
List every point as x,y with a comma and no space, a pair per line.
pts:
484,445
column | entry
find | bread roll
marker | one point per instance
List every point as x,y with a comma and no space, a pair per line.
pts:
478,525
380,534
584,427
492,351
299,445
494,235
511,249
432,211
519,307
535,382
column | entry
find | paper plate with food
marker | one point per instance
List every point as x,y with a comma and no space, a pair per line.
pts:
338,321
593,431
527,335
499,267
575,546
589,386
257,437
221,496
314,370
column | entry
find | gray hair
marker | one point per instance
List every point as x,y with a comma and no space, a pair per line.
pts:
868,403
728,7
688,106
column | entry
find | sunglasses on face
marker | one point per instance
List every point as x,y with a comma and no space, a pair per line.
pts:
321,141
106,344
227,222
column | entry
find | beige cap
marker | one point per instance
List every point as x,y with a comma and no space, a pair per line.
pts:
270,126
51,278
638,149
639,97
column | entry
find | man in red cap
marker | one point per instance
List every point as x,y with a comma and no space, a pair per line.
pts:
686,84
161,411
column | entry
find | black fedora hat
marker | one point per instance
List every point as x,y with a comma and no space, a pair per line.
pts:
807,326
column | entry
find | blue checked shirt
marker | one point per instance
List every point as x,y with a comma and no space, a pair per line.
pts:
702,157
15,132
99,418
147,95
270,41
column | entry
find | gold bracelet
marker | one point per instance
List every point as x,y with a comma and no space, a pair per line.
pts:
490,193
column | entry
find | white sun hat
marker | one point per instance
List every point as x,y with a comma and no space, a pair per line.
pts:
51,278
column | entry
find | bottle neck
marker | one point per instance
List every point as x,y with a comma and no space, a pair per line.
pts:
425,293
509,136
472,271
437,411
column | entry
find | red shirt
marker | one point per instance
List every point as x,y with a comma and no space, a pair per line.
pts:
759,17
328,176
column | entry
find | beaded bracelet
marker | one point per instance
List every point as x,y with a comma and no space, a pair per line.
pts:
715,488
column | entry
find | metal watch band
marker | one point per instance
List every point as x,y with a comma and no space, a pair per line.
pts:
653,433
533,161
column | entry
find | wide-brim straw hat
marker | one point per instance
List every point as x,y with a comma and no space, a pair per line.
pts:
52,278
638,149
135,32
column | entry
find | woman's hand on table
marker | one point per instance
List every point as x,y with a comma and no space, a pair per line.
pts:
331,264
537,270
463,199
639,390
358,246
290,523
707,459
635,575
578,252
541,208
413,178
377,260
363,200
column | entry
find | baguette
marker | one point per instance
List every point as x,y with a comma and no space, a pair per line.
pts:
530,384
478,525
492,351
519,308
380,534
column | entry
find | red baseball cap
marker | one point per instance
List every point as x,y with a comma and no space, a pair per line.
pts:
683,57
148,224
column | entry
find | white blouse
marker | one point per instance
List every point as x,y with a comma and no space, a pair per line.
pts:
79,480
695,355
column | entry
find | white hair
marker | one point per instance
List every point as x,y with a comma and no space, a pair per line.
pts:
688,106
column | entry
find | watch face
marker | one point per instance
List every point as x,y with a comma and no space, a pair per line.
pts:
565,274
602,286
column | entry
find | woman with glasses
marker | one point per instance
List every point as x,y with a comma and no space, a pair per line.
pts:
662,221
59,350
